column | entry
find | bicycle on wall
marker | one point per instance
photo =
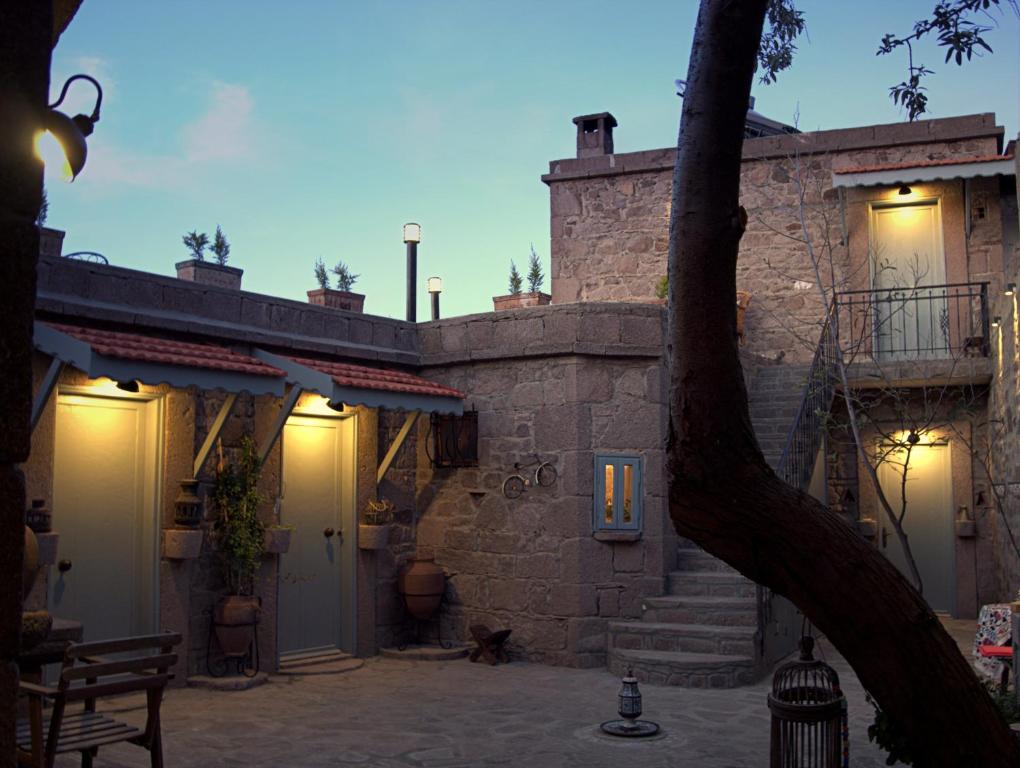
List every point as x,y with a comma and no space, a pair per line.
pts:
544,475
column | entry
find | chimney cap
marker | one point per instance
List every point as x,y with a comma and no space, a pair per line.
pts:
607,116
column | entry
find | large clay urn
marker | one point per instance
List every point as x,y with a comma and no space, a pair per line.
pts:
422,583
234,619
30,565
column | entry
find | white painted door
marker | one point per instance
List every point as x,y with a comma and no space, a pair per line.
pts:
911,318
105,500
317,574
928,522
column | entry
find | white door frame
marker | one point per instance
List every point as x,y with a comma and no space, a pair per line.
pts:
154,471
348,509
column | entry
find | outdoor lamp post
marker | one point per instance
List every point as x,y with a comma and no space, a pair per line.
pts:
412,236
435,288
70,132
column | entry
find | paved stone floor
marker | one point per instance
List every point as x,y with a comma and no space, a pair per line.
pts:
394,713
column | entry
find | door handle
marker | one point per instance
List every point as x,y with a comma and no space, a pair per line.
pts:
885,536
64,566
328,532
340,536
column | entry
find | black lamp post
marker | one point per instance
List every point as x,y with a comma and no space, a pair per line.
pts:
71,132
435,288
412,236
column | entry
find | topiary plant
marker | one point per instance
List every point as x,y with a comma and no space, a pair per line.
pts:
240,533
515,279
535,276
321,275
344,279
220,247
196,243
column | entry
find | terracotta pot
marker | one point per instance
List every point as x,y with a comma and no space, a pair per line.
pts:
343,300
182,544
234,619
422,584
38,517
520,300
30,565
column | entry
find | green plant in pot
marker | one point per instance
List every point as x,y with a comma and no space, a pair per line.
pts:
240,542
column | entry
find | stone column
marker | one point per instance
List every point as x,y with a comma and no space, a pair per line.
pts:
26,32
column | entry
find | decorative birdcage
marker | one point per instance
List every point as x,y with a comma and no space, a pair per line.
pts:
809,718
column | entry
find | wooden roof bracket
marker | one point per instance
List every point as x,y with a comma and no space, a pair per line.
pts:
398,441
281,418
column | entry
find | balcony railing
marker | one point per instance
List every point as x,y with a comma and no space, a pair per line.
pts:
924,322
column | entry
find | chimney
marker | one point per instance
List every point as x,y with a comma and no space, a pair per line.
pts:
595,134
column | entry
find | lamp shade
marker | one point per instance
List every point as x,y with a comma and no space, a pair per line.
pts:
412,233
435,285
71,138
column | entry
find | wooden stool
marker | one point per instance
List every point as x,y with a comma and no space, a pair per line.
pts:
490,644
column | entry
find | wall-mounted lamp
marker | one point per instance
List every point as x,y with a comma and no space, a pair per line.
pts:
1010,289
435,288
70,132
913,438
904,190
336,405
128,385
996,321
412,236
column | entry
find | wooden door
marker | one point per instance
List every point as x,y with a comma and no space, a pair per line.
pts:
317,574
105,501
928,521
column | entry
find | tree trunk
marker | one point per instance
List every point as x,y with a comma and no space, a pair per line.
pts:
723,494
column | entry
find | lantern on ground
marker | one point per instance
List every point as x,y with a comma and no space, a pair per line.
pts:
809,720
629,707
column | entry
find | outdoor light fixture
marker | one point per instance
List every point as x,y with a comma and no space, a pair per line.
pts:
70,132
1010,289
913,438
128,385
336,405
412,236
435,288
996,321
905,190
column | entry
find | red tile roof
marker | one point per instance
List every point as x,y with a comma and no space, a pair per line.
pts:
923,164
385,379
153,349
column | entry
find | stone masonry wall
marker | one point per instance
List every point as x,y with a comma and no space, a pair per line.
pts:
610,221
554,384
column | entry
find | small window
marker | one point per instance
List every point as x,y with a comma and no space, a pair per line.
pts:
617,493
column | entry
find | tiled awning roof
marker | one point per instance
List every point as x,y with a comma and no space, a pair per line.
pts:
363,385
151,359
923,170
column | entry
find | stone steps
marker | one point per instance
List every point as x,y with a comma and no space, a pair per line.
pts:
715,611
710,583
686,638
691,670
689,559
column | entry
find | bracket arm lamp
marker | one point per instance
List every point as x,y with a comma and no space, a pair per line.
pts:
71,132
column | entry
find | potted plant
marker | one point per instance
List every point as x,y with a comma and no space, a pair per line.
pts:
240,542
198,270
516,298
340,298
374,528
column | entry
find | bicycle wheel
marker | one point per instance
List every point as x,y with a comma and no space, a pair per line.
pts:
545,475
514,486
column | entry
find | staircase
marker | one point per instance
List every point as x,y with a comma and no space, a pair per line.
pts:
703,633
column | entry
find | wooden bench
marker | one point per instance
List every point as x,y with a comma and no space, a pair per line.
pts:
87,730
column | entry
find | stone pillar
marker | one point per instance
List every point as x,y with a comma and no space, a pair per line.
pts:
595,134
26,32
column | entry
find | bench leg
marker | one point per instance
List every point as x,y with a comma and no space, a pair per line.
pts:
156,748
87,755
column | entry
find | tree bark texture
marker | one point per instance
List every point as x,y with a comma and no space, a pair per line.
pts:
722,493
26,32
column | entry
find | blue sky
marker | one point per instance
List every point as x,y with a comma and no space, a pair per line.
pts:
314,128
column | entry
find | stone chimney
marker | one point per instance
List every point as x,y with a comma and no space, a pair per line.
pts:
595,134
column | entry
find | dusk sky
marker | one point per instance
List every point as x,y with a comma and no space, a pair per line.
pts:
316,129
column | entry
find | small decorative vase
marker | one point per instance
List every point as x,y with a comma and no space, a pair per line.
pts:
38,517
188,505
422,584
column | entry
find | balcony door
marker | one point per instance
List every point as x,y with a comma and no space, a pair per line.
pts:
910,307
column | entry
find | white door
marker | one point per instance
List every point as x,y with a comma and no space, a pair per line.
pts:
911,317
105,501
928,522
317,574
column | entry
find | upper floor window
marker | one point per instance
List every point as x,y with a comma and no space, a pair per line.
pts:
618,492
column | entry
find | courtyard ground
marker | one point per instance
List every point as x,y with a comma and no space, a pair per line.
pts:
394,713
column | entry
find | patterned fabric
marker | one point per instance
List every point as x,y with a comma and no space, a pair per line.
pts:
995,627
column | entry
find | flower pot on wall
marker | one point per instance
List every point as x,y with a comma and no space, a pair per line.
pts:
277,540
38,517
422,583
182,544
520,300
209,273
342,300
867,528
373,536
234,619
51,242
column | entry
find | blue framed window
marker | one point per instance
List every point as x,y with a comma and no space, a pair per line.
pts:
618,492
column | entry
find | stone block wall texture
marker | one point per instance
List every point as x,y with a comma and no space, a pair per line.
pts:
610,222
552,384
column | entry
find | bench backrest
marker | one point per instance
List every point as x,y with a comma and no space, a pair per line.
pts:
90,662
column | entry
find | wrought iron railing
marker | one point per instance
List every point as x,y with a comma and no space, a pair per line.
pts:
924,322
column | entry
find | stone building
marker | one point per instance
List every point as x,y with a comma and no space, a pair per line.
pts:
553,522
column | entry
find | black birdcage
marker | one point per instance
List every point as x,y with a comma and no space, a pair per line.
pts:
454,440
809,720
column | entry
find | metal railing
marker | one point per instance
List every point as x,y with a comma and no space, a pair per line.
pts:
924,322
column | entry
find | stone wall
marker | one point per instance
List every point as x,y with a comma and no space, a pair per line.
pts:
610,221
552,384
